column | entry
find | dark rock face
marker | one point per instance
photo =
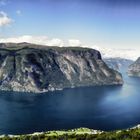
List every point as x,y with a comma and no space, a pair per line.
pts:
34,68
134,69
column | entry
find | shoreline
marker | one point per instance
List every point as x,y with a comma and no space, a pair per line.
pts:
78,131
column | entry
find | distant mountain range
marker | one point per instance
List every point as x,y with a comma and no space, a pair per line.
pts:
119,64
134,69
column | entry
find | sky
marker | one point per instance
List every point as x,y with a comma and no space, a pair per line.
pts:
105,23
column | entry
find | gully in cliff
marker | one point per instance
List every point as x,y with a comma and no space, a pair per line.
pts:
35,68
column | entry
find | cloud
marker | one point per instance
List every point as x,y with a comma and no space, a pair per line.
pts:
42,40
132,54
4,19
55,42
74,42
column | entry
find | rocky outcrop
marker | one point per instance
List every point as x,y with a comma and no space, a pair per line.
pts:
35,68
134,69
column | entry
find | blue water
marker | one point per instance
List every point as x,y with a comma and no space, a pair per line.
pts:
103,108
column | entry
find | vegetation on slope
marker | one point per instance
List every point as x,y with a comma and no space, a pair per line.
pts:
80,134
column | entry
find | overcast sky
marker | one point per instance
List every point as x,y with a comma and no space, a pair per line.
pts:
105,23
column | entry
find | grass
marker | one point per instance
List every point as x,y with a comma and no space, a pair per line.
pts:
79,134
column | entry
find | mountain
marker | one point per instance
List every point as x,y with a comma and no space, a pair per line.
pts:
35,68
119,64
134,69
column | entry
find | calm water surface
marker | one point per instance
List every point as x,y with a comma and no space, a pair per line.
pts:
104,108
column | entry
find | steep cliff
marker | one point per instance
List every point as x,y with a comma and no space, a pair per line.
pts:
134,69
34,68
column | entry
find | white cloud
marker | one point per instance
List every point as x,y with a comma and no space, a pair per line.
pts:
74,42
42,40
55,42
4,19
105,52
132,54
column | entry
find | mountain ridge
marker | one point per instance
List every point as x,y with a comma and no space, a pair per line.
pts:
34,68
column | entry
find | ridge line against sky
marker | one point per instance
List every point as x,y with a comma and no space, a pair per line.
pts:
106,23
132,53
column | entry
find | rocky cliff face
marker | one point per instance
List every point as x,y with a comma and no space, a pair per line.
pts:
134,69
33,68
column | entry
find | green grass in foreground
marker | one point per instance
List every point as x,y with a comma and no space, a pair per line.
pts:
80,134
